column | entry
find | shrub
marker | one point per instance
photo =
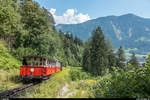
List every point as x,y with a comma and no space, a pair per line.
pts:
133,82
77,74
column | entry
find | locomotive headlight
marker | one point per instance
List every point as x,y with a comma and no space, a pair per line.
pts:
32,70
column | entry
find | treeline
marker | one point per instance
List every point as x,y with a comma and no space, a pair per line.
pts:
99,55
29,30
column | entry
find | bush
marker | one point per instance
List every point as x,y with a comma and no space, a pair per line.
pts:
77,74
133,82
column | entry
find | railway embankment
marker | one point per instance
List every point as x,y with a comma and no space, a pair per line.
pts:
61,85
9,69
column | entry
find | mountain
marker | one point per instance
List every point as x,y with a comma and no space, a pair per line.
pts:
129,30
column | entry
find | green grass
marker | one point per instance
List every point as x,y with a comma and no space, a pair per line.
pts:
60,85
51,87
9,79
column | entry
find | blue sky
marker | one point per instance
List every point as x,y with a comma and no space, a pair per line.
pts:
98,8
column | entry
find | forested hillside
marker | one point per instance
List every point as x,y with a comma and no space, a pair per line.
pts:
29,30
129,30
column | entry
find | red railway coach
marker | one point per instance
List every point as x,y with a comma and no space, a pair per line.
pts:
38,67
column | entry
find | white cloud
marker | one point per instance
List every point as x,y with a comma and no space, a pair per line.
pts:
70,17
52,10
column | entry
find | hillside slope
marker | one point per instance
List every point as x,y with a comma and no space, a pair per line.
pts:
7,61
9,70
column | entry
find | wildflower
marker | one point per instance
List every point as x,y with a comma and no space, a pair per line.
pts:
91,80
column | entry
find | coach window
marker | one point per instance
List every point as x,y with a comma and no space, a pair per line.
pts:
53,65
40,61
34,61
29,61
24,62
44,62
47,63
57,63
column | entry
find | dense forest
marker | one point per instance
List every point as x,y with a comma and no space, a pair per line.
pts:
29,30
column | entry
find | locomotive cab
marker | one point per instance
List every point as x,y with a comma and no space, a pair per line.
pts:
38,67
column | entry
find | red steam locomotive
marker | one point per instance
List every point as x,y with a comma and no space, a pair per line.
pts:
38,67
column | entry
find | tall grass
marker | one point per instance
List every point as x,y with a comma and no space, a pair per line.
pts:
9,79
51,87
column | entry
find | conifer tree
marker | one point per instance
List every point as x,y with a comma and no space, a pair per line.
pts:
134,60
147,60
111,55
121,57
86,61
99,59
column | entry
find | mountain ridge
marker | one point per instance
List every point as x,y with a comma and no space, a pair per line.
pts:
129,31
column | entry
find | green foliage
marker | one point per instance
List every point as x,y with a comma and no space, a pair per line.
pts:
130,83
86,62
29,29
21,51
99,60
10,26
120,57
76,74
134,60
7,61
98,54
9,79
148,60
72,49
112,59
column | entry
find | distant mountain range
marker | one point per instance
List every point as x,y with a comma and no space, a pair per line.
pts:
130,31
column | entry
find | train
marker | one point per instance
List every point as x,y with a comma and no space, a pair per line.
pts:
38,67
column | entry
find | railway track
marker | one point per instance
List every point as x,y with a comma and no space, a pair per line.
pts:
16,91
